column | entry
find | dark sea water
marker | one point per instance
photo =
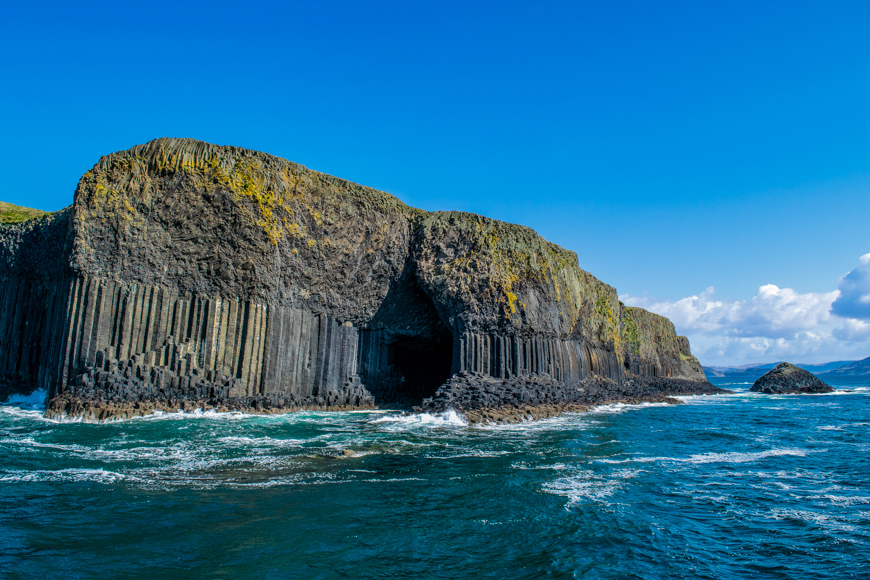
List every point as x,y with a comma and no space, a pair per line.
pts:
735,486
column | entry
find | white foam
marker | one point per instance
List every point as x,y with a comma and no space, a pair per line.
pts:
196,414
563,421
848,391
260,442
527,466
587,486
732,457
718,399
623,407
821,519
22,413
178,415
448,418
472,453
842,500
72,474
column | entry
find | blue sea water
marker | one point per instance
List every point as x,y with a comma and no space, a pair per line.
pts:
733,486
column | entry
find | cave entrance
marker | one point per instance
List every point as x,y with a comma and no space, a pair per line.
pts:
420,365
406,351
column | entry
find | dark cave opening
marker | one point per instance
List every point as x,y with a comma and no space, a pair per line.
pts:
406,351
420,365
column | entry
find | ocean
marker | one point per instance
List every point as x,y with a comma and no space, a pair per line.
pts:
730,486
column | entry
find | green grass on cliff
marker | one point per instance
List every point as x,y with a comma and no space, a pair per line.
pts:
13,214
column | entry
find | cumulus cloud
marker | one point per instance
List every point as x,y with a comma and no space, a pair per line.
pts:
852,330
775,324
773,312
854,299
803,347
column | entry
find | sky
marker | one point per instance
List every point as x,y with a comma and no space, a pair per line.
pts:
708,160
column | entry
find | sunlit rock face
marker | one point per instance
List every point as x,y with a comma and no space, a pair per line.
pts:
189,273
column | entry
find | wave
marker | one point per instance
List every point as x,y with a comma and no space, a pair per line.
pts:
840,500
235,441
63,475
14,412
448,418
811,517
731,457
849,391
614,408
471,453
589,486
34,401
524,465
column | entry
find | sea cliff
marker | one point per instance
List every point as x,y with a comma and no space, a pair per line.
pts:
189,275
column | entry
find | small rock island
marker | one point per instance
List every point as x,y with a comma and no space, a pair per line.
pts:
786,378
187,275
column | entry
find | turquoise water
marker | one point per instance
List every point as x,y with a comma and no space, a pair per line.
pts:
735,486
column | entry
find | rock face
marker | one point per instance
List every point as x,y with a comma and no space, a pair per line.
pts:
786,378
190,273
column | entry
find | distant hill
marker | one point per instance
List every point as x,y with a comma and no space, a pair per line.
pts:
856,368
13,214
754,371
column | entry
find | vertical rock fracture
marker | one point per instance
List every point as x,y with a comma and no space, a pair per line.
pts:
187,274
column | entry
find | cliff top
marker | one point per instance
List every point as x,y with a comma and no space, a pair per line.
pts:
214,220
223,220
13,214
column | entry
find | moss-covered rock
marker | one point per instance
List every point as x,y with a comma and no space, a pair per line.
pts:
259,280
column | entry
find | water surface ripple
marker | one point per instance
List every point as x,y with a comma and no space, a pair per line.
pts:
736,486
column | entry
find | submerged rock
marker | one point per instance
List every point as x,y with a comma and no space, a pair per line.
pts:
786,378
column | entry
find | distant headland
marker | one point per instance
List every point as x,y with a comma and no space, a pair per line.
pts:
189,275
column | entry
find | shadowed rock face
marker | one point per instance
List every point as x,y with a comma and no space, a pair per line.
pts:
786,378
186,272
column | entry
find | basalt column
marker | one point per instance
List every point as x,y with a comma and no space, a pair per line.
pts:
255,349
186,272
507,357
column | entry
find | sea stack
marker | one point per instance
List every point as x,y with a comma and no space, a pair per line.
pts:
190,275
786,378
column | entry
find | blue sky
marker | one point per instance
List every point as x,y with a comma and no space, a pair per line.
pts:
675,146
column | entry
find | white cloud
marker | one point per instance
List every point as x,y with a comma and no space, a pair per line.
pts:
852,330
775,324
854,299
773,312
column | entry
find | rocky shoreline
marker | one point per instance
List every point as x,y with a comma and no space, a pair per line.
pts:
117,390
126,390
69,407
486,399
